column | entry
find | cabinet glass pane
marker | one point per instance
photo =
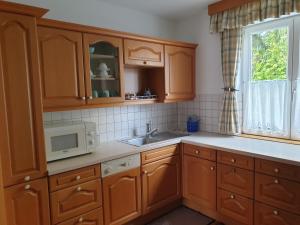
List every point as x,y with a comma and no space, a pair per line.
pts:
105,72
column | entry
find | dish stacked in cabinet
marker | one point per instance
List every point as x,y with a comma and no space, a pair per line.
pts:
235,188
76,197
277,193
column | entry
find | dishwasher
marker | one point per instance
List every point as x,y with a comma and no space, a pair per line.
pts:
122,189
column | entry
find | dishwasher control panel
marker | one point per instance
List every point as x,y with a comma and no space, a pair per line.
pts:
120,165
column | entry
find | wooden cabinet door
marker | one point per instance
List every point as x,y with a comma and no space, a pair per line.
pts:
109,51
278,192
161,183
73,201
61,58
143,53
94,217
200,181
21,125
28,204
179,73
266,215
234,209
122,197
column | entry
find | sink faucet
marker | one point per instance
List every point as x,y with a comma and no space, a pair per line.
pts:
150,131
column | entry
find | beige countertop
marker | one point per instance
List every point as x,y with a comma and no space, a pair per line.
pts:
281,152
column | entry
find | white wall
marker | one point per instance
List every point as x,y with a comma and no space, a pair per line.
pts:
105,15
208,59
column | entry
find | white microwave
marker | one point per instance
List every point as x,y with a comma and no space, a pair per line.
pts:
69,139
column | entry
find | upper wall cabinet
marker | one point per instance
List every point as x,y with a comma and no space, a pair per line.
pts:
143,53
104,70
61,57
22,149
179,73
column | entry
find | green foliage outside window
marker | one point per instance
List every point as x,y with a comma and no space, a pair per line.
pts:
270,55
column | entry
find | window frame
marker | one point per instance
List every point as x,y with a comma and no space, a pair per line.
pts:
246,68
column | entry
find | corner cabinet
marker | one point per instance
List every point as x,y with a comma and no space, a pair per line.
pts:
22,149
179,73
104,69
61,58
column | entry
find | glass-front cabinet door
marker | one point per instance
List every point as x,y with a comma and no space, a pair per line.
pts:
103,69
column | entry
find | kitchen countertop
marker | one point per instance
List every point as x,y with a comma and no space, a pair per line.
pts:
280,152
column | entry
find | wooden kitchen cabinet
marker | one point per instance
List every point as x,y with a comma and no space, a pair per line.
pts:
234,209
122,197
143,53
28,204
200,182
161,183
61,59
21,125
73,201
179,73
104,69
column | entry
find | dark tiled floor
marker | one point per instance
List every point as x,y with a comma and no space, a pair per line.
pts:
182,216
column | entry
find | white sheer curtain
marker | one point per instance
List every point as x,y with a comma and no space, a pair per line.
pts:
267,107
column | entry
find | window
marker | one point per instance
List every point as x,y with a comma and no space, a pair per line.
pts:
270,68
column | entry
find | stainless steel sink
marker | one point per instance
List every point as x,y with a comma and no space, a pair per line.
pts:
157,137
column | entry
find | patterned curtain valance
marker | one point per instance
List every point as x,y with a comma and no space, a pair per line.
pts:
252,12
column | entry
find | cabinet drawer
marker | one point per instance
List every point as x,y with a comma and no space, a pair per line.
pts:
241,161
201,152
234,209
277,192
266,215
73,201
94,217
277,169
143,53
237,180
74,177
157,154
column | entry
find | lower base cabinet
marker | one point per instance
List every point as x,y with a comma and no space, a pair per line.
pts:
94,217
122,197
28,204
234,209
199,182
161,183
266,215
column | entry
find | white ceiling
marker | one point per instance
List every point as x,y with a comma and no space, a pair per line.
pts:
169,9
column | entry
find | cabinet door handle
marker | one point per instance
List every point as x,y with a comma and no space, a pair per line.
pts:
197,152
145,172
275,212
83,98
276,170
80,220
27,178
27,187
212,168
90,97
145,62
79,189
276,181
78,177
233,160
232,196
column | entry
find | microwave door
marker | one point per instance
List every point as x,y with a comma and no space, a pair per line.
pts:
65,142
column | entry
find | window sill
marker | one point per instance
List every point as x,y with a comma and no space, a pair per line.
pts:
281,140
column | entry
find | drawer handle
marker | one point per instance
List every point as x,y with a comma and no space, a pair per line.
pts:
276,181
27,187
233,160
197,152
145,62
83,98
80,220
276,170
232,196
79,189
145,172
212,168
275,212
78,177
90,97
123,164
27,178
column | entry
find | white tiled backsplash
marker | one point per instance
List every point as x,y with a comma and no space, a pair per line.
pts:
120,122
